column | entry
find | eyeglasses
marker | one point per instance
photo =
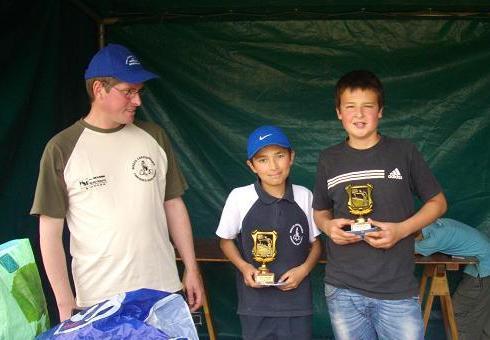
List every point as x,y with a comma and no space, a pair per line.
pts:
129,93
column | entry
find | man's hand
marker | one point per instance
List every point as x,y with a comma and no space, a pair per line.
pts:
65,311
334,230
193,289
293,278
385,238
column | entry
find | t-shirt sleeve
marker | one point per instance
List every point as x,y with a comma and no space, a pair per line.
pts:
321,200
424,183
314,231
176,183
51,198
229,224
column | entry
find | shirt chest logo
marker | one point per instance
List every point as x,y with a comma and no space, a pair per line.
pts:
144,168
296,234
395,174
92,182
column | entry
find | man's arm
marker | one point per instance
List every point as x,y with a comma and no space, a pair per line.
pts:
179,226
248,270
391,233
333,227
54,258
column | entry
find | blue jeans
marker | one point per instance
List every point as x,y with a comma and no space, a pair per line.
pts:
357,317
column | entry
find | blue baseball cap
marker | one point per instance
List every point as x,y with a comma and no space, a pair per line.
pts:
118,62
264,136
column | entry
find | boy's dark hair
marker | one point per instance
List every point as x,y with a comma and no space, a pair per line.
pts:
359,79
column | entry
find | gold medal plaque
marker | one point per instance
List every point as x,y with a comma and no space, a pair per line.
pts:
264,251
360,203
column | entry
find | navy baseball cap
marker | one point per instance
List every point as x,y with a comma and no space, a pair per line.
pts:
264,136
118,62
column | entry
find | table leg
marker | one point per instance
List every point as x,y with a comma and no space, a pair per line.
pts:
428,307
428,270
448,315
208,318
439,287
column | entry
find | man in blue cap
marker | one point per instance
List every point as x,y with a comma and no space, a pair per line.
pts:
117,183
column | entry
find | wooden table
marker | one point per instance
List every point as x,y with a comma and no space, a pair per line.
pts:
435,267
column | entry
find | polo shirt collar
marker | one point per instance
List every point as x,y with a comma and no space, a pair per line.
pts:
268,199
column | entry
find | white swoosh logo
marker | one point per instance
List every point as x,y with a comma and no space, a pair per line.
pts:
264,137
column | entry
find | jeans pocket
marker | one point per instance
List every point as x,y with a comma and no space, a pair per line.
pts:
330,291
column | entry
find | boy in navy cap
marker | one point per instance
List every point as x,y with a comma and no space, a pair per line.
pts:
276,215
117,183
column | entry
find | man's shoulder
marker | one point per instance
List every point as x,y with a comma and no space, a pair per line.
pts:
152,128
65,137
149,126
157,132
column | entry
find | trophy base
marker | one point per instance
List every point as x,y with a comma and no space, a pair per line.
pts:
361,227
276,284
264,278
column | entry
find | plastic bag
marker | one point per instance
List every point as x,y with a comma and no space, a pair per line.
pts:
140,314
23,311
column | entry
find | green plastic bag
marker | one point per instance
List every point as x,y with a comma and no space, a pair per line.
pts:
23,312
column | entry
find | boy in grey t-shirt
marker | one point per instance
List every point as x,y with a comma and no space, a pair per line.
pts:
369,283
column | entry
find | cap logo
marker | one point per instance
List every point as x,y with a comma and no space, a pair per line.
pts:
264,137
131,60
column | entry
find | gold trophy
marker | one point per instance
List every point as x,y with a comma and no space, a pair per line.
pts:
264,251
360,203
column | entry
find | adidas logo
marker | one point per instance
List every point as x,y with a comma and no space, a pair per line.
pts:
395,174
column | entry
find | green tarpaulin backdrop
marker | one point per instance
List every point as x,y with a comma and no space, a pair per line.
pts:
222,79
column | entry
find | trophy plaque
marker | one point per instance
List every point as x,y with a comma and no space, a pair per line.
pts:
360,203
264,251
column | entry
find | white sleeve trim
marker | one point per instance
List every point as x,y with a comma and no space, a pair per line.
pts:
304,198
237,205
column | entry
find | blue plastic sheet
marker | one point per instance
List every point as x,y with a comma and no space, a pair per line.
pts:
140,314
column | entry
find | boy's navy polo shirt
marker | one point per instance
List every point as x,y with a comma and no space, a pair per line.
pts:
250,208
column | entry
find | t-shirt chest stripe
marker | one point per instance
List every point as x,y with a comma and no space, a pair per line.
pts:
355,176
